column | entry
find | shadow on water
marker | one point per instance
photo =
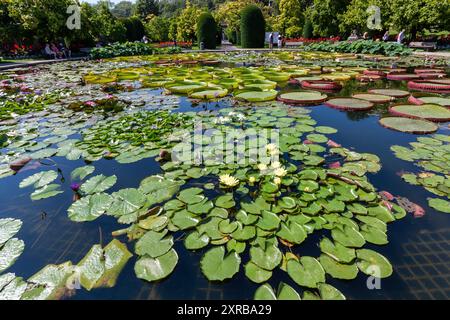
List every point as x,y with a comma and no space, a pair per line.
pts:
51,237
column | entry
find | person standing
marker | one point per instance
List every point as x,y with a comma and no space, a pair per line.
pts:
271,40
401,37
386,36
280,41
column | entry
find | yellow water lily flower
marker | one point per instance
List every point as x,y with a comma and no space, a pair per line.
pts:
271,147
252,179
228,181
277,181
276,165
262,167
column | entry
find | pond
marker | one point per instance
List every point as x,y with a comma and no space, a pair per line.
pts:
226,176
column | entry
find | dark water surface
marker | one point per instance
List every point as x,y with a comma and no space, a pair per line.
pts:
418,249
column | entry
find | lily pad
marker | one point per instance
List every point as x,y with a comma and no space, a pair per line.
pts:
409,125
154,269
98,184
439,204
90,207
373,263
216,266
430,112
307,272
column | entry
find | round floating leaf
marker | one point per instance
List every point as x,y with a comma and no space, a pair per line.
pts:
265,292
48,191
373,263
436,100
390,92
82,172
350,104
191,196
39,179
209,94
337,251
348,237
374,98
195,241
257,274
338,270
325,130
317,138
90,207
267,258
225,201
418,126
218,267
257,96
126,201
154,244
439,204
307,272
8,229
303,97
430,112
9,253
98,184
328,292
286,292
154,269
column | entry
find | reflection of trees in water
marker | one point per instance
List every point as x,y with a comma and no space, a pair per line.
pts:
357,115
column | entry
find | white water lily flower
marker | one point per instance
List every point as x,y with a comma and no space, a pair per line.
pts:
262,167
280,172
228,180
277,181
276,165
252,179
271,147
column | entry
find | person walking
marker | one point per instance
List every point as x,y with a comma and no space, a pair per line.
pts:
271,40
386,36
280,41
401,37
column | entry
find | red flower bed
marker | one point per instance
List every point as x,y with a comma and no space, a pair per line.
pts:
313,40
185,44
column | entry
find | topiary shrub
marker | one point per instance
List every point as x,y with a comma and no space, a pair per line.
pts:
308,29
135,30
253,27
207,30
219,36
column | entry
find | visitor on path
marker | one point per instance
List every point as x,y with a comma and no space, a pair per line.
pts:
144,39
386,36
271,40
48,52
366,36
56,51
66,53
280,41
353,36
401,37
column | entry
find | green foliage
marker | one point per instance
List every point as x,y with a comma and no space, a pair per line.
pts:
253,27
362,46
158,28
290,19
357,15
135,29
308,29
144,8
207,30
324,15
123,9
122,49
187,22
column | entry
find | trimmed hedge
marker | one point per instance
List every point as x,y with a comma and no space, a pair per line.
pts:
253,27
207,30
129,49
362,46
135,28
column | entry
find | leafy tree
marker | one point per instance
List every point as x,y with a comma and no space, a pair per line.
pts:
157,28
105,26
307,29
414,16
134,28
324,15
357,15
146,7
123,9
173,29
229,13
290,20
187,22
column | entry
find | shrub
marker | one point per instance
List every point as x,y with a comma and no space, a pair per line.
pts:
308,29
135,28
253,27
122,49
362,46
207,30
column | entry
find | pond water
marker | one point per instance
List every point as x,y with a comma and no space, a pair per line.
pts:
418,248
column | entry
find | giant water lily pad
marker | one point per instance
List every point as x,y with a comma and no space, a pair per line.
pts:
391,92
430,112
213,93
257,96
216,266
349,104
409,125
303,97
374,98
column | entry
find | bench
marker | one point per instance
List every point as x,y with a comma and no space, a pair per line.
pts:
429,46
293,44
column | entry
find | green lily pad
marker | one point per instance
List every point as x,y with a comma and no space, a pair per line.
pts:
40,179
45,192
257,274
337,251
82,172
338,270
98,184
216,266
196,241
409,125
430,112
191,196
8,229
267,258
439,204
90,207
154,244
10,252
348,237
154,269
257,96
307,272
373,263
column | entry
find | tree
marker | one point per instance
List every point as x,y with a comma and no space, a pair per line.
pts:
253,27
307,29
417,15
105,26
123,9
229,13
157,28
187,22
207,30
134,28
358,13
290,20
324,15
146,7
